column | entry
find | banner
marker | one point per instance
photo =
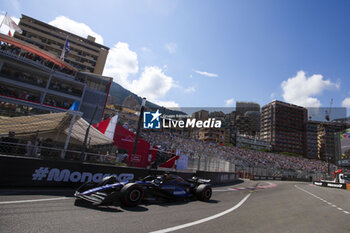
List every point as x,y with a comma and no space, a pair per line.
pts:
125,139
31,172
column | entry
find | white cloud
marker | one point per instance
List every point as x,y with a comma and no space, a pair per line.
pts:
121,63
191,76
167,104
229,102
171,47
153,83
146,50
74,27
190,90
206,73
346,103
300,90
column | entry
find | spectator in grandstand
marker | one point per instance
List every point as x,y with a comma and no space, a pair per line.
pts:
32,146
122,157
46,149
33,57
8,144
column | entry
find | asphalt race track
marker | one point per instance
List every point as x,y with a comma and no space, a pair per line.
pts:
251,206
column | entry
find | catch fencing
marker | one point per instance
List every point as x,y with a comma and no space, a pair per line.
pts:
104,156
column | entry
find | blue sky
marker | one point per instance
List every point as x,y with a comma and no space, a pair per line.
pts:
214,53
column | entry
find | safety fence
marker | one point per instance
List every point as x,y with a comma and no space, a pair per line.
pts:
60,137
104,156
52,153
248,172
210,164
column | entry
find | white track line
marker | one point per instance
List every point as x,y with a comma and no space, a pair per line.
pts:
34,200
321,199
204,219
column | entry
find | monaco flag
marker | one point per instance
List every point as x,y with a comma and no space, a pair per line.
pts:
107,126
11,24
125,139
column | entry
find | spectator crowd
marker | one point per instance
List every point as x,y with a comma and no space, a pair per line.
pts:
245,157
16,51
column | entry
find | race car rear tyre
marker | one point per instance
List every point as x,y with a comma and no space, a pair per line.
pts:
203,192
131,195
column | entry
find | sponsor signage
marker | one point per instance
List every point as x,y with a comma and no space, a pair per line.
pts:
330,184
66,175
21,171
30,172
153,120
335,185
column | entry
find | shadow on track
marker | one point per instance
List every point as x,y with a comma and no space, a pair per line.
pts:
176,203
110,208
116,207
65,192
135,209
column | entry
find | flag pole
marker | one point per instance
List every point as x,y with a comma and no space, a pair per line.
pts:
63,53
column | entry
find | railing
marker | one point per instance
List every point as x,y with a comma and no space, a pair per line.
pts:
52,153
212,164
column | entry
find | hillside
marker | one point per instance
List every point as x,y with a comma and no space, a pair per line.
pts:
119,93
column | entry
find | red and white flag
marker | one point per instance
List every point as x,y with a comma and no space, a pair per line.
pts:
108,126
11,24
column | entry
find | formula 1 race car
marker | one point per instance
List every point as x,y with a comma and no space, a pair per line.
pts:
150,188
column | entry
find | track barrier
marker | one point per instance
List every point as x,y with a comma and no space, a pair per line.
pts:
37,172
332,185
255,177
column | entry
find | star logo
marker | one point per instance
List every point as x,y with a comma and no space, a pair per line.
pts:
156,115
151,120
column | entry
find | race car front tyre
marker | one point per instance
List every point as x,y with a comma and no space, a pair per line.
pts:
131,195
203,192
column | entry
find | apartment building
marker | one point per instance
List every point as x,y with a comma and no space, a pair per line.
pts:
85,54
33,81
283,125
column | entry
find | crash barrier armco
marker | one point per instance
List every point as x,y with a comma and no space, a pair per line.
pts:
332,185
23,171
254,177
218,177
